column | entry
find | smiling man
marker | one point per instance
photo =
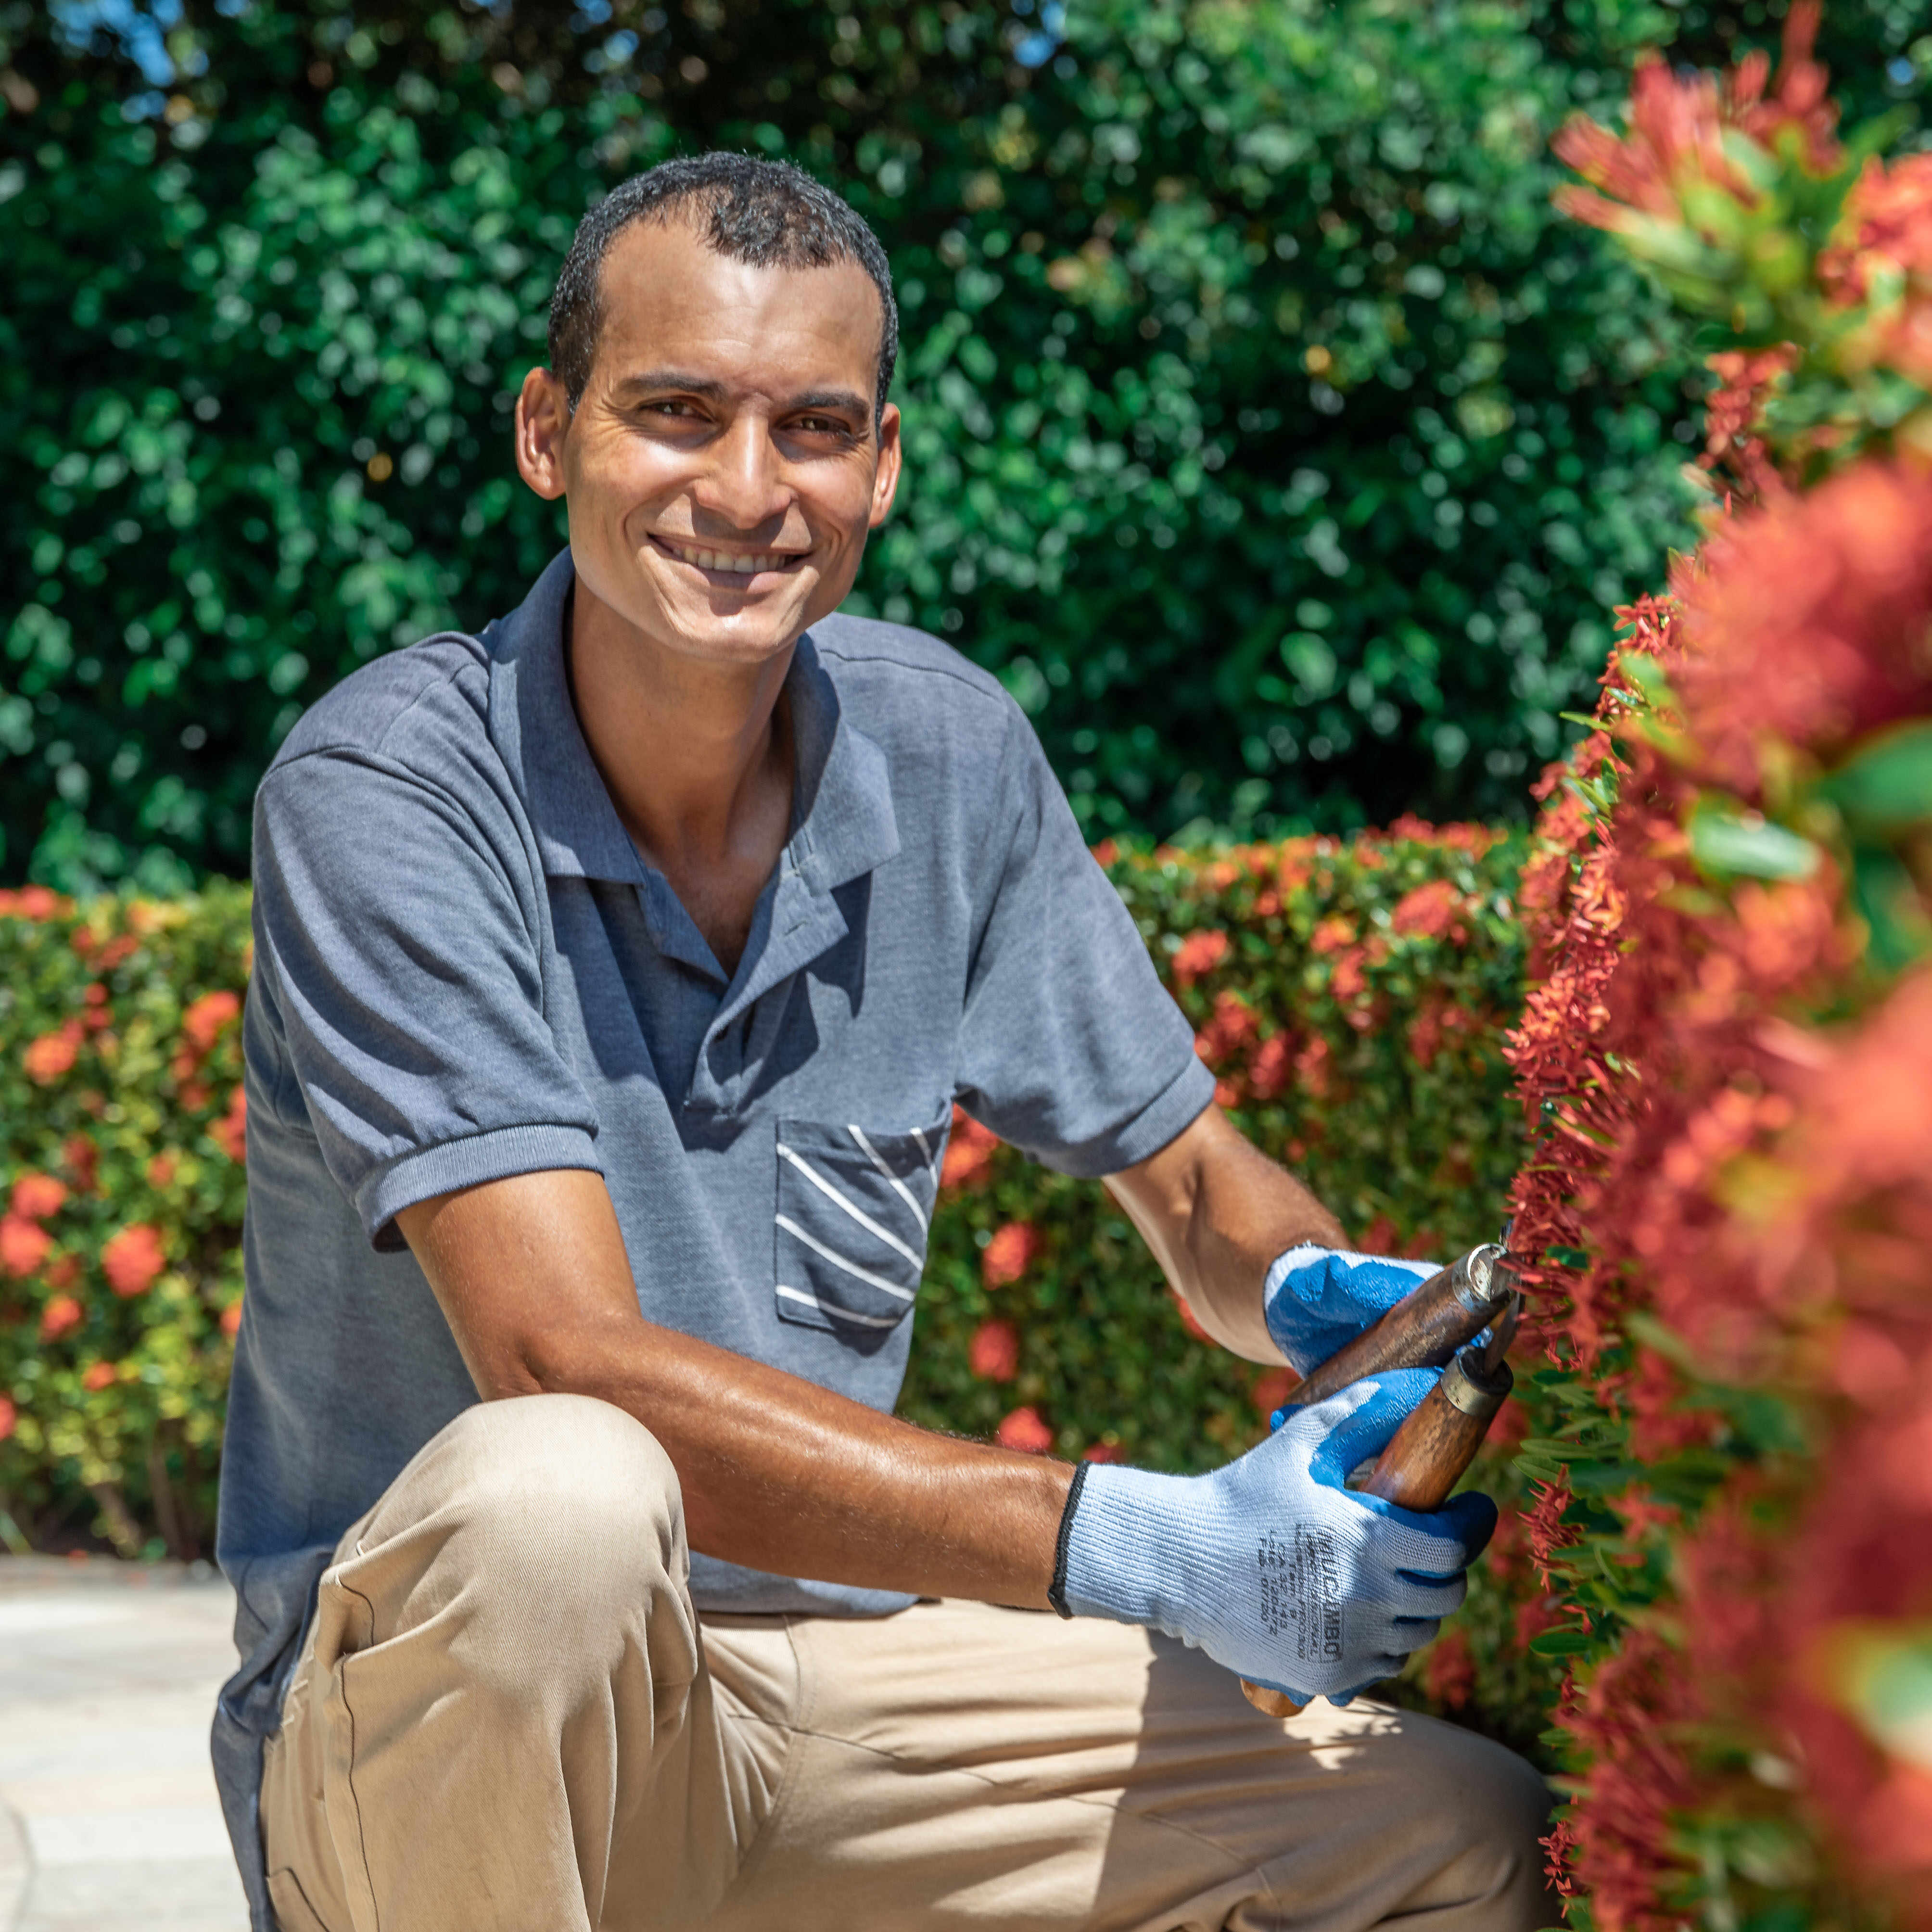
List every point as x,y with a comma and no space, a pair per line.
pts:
617,971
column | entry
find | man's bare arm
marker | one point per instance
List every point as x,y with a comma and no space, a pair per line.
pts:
1217,1211
778,1473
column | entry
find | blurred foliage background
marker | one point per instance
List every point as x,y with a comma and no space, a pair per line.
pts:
1271,437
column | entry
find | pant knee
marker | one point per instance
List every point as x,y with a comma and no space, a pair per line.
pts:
1492,1810
548,1507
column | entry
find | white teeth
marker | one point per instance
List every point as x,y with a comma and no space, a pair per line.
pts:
736,566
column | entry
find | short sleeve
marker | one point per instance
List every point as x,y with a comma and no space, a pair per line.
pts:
1071,1048
398,936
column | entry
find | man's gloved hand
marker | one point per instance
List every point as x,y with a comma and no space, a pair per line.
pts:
1315,1299
1268,1564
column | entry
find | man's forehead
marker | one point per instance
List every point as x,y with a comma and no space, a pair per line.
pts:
662,284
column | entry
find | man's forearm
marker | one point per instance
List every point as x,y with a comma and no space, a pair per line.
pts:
1217,1211
777,1473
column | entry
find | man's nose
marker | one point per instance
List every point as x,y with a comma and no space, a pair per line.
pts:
744,483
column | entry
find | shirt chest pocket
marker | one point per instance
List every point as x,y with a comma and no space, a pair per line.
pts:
854,1204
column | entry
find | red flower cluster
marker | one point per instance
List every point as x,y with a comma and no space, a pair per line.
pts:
132,1259
1678,121
994,1352
1024,1429
969,1150
1734,1109
1007,1256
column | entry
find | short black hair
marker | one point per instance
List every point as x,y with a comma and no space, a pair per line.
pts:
767,213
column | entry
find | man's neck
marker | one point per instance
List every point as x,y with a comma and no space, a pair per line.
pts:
698,758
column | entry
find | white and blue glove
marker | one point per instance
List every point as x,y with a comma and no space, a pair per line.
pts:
1268,1564
1314,1299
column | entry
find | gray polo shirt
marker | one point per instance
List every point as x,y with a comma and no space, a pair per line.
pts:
463,970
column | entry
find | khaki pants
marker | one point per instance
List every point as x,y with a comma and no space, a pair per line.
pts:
508,1718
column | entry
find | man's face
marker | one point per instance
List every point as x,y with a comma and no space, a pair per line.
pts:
722,468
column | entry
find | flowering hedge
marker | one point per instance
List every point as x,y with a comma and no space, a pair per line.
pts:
121,1176
1727,1053
1351,998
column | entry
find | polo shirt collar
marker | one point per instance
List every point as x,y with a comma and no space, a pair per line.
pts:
845,825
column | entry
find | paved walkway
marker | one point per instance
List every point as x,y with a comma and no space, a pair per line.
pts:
108,1816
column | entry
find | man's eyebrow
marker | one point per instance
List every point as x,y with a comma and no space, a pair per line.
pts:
682,383
849,400
681,380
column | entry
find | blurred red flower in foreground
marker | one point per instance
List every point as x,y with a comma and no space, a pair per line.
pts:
1428,911
204,1019
1678,120
35,902
38,1195
1199,952
9,1415
968,1151
1806,620
60,1316
53,1054
132,1259
1006,1255
994,1352
1024,1429
24,1246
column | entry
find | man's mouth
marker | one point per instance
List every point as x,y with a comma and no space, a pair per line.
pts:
729,563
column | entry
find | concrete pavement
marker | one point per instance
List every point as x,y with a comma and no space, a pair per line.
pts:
109,1821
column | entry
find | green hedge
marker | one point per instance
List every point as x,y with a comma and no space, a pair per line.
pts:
1268,432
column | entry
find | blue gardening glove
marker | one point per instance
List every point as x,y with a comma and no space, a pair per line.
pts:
1315,1299
1268,1564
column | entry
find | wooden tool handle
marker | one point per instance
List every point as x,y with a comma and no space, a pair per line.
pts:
1429,1454
1425,1459
1423,1330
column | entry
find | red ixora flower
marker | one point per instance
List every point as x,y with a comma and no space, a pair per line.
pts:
24,1246
38,1195
1428,911
968,1152
61,1316
1024,1429
132,1259
994,1352
205,1018
9,1416
1199,952
52,1053
1006,1256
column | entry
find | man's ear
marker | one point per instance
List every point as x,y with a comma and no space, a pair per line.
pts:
886,481
543,422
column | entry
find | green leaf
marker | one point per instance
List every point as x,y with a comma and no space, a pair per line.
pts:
1563,1643
1726,839
1886,786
